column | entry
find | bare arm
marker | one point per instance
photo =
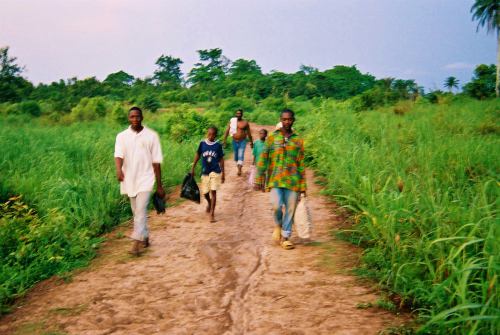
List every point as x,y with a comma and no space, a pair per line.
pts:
159,185
221,164
226,133
196,159
119,164
249,133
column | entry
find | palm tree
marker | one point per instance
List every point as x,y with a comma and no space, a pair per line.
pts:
450,83
487,13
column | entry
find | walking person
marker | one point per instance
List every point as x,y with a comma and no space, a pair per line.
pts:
212,169
138,159
258,146
281,170
239,129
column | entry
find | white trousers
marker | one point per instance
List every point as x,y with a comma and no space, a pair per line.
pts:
139,206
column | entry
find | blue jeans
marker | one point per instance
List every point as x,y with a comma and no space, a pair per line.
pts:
239,151
284,197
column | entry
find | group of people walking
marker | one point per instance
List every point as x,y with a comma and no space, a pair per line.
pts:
278,159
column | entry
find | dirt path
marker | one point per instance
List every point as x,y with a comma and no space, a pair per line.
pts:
212,278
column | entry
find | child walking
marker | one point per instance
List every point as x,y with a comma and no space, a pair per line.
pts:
258,146
212,169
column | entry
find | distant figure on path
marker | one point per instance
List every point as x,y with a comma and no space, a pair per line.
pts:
239,129
212,169
281,169
138,159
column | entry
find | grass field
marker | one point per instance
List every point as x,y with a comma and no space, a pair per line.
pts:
420,180
66,175
422,183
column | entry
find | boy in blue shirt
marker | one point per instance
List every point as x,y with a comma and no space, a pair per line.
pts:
212,169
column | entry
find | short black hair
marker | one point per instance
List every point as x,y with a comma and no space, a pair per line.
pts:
239,110
214,128
286,110
135,108
264,130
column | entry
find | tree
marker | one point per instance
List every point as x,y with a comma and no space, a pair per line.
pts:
13,87
212,66
487,13
307,69
482,85
8,66
169,71
450,83
342,82
119,78
243,68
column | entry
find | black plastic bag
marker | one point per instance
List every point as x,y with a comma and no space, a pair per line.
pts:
189,189
159,203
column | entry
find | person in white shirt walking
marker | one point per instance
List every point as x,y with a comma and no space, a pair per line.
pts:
138,159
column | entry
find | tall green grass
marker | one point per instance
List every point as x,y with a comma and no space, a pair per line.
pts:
424,191
67,175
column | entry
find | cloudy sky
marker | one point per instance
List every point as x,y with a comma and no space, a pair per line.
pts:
425,40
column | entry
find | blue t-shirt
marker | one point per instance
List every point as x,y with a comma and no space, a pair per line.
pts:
211,153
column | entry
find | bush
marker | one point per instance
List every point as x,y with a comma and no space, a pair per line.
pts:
273,104
119,114
234,103
264,117
181,124
88,109
150,103
423,193
30,108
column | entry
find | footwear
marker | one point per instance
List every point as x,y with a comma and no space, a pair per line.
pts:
145,243
287,245
276,234
136,251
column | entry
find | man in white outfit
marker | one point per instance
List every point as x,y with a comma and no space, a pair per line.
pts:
138,159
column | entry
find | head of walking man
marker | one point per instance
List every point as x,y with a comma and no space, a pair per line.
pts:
287,119
239,114
135,118
212,133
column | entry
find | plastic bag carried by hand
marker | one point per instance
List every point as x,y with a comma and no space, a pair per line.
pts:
251,176
303,219
189,189
159,203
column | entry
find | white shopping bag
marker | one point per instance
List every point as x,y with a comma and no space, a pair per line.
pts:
251,176
303,219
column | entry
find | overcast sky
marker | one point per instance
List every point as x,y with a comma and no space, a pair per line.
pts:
425,40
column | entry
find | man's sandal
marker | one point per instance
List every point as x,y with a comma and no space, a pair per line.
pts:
287,245
276,234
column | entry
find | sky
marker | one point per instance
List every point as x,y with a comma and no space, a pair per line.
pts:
424,40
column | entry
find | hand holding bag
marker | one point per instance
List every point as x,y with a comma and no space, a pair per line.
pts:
190,189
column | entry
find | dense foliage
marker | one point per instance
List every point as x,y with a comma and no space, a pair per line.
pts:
423,190
66,174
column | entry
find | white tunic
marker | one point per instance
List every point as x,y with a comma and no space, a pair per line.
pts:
139,151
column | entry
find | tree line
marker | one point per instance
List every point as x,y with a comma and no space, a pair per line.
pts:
215,77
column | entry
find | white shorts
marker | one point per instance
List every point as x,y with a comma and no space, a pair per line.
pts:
210,182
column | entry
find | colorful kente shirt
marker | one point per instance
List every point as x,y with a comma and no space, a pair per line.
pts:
281,163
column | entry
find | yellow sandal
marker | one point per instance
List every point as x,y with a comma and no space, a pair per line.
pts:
287,245
276,234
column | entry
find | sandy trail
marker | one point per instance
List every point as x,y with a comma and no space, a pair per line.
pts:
226,277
